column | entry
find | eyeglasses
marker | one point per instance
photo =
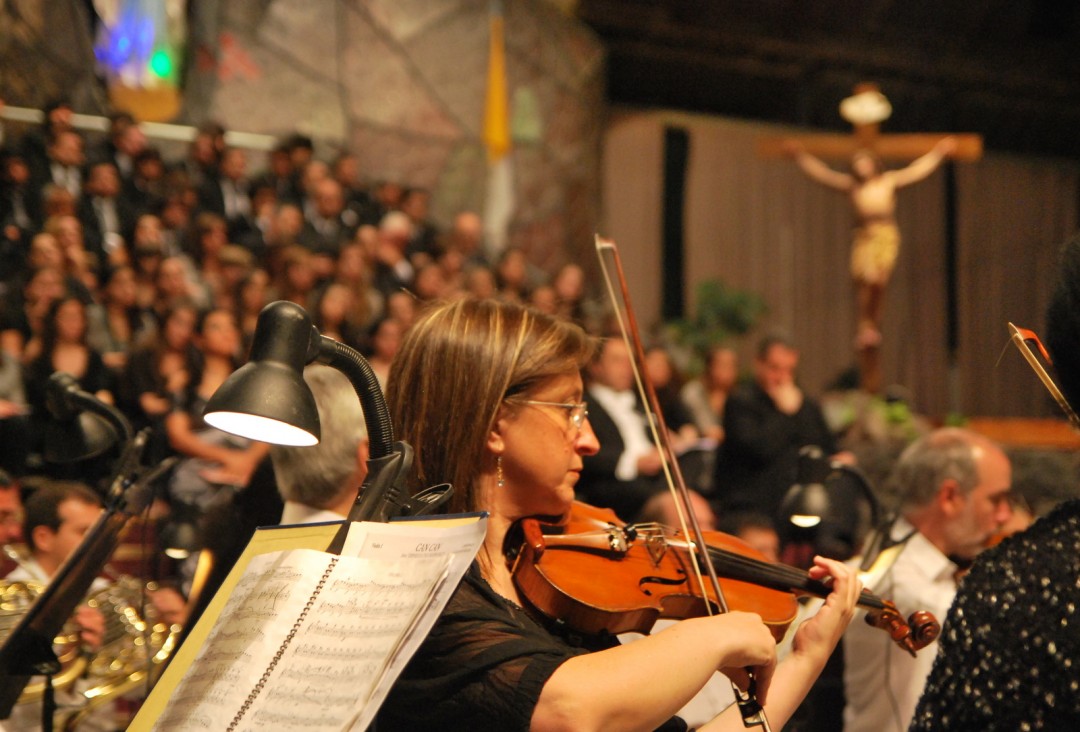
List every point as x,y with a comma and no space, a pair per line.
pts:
578,412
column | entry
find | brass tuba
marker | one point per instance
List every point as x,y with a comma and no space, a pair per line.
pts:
136,644
15,599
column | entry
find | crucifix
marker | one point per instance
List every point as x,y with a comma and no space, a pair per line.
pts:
872,192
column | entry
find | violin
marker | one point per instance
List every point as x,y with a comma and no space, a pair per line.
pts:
596,574
654,545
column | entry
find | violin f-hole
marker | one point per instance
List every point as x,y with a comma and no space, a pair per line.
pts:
669,581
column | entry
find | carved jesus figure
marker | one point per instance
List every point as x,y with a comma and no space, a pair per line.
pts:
876,239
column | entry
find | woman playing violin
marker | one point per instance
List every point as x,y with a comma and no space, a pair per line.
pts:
490,397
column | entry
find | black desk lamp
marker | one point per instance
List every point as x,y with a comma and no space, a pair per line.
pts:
267,399
80,426
821,499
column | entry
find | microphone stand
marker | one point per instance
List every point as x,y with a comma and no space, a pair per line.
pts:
28,651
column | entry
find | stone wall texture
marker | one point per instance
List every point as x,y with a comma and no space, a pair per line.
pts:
400,82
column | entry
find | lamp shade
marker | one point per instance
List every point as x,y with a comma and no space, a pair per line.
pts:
806,504
79,425
829,506
180,541
79,437
267,399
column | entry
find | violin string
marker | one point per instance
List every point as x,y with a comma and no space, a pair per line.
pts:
789,578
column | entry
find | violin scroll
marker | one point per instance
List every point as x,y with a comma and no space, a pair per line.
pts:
925,628
920,630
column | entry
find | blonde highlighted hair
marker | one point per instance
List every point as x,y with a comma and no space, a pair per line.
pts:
457,365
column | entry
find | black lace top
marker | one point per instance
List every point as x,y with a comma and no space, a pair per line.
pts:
482,667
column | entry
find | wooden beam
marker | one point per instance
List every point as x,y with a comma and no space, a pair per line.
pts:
906,147
900,147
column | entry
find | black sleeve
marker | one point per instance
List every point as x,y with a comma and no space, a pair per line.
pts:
483,666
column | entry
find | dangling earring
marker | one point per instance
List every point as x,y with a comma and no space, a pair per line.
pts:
500,479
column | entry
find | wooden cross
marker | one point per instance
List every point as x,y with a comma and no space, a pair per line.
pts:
866,109
867,136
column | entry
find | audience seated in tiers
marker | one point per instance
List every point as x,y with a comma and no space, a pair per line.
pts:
142,252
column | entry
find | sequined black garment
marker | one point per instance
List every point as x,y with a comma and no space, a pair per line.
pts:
1009,658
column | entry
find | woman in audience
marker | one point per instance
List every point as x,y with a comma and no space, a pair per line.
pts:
297,277
333,315
23,320
705,396
146,260
512,275
158,372
209,238
64,348
354,271
117,322
213,460
569,285
384,342
175,283
253,294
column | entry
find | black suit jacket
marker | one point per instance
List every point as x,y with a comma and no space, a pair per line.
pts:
598,484
757,462
93,233
212,200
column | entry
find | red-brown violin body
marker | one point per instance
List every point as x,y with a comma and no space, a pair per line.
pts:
590,574
597,574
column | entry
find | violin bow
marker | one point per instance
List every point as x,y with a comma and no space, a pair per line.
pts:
1020,337
753,714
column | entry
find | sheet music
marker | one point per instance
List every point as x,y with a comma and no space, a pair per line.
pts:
301,642
410,541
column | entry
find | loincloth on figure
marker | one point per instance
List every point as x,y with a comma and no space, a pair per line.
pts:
873,252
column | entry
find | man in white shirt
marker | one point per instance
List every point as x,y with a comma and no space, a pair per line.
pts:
57,517
321,482
953,486
624,473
